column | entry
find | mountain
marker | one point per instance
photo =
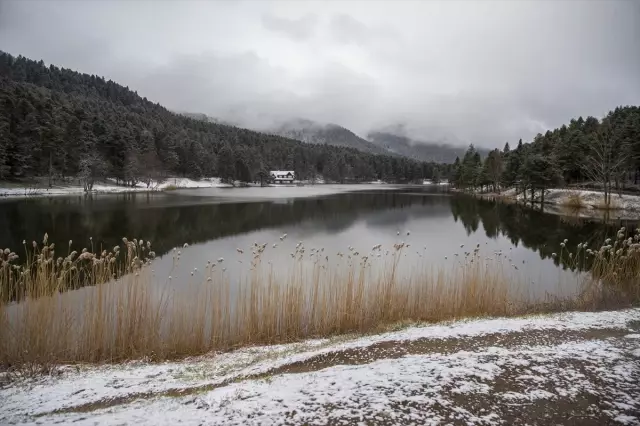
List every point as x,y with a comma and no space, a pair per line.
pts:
204,117
388,141
63,124
332,134
418,150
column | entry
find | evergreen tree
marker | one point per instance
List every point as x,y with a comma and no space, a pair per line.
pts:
541,174
53,119
456,177
262,174
226,164
511,169
243,173
469,168
493,169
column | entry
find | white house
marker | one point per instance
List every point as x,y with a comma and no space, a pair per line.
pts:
282,176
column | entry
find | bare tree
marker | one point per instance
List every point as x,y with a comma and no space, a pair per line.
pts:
606,159
132,168
92,167
152,169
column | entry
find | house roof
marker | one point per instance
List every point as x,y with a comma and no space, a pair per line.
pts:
281,172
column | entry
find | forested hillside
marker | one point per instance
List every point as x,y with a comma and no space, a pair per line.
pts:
60,123
418,150
332,134
587,152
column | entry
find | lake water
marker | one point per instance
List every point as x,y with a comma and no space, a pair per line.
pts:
216,222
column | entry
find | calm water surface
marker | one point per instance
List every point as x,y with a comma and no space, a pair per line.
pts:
215,222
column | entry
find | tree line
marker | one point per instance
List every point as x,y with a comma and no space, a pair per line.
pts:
61,124
604,154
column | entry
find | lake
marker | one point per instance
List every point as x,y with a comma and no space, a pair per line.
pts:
334,220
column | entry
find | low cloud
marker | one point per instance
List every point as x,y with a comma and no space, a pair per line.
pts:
297,29
462,72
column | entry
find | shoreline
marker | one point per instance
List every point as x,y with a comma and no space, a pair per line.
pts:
557,201
109,187
17,191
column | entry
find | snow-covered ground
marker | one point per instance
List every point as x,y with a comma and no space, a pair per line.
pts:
578,368
111,187
430,182
590,199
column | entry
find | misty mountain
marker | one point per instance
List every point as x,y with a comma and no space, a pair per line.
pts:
332,134
391,140
63,124
419,150
204,117
304,130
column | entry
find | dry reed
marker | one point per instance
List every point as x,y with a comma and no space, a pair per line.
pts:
574,200
42,273
134,317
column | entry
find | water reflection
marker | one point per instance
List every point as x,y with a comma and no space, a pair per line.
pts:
535,230
171,220
219,223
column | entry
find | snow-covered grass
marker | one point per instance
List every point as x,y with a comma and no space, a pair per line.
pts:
504,371
588,199
110,187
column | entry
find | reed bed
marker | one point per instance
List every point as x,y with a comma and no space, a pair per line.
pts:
41,271
137,315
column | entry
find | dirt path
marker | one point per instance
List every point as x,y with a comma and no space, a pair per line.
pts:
543,375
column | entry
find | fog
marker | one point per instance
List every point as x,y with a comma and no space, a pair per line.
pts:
463,72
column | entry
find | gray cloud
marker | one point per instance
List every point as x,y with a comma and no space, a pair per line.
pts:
347,29
481,72
298,29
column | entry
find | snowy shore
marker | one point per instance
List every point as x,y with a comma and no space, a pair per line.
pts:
589,199
110,187
543,369
562,202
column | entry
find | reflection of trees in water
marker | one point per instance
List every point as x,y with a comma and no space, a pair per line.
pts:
533,229
167,223
437,206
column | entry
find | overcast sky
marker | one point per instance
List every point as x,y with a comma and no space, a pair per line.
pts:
481,72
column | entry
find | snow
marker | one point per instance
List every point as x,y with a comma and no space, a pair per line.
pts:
423,388
626,420
591,199
111,187
430,182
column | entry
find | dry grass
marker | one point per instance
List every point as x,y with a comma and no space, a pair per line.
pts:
618,262
140,316
574,200
41,273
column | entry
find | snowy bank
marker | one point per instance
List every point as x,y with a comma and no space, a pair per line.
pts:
430,182
589,199
475,372
110,187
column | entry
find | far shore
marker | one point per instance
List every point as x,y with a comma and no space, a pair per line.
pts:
22,190
109,186
573,202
